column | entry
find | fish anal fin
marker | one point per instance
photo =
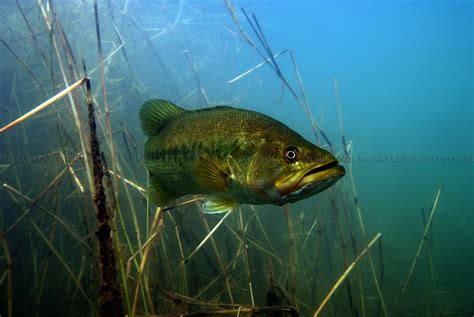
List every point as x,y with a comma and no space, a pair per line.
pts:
159,193
212,176
217,205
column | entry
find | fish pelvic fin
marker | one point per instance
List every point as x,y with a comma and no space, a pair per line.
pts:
218,205
159,193
156,113
212,175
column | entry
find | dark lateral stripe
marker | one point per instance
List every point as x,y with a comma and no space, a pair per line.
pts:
185,152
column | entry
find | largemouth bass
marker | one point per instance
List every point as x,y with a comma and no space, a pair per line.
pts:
232,156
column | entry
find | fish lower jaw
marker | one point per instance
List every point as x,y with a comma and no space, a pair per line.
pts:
320,176
313,183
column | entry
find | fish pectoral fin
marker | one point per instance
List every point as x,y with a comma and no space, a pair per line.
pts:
212,176
159,193
217,205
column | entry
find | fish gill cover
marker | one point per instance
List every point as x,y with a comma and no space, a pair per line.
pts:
386,86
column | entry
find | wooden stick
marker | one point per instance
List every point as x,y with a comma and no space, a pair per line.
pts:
345,274
108,132
105,98
110,298
425,234
44,105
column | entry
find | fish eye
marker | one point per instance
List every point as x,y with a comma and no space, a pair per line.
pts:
291,153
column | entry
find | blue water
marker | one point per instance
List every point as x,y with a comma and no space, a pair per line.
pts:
405,76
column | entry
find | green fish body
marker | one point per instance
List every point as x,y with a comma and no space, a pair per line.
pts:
232,156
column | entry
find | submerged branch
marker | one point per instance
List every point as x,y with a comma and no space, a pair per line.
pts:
110,298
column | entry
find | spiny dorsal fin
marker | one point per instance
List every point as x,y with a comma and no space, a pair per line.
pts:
156,113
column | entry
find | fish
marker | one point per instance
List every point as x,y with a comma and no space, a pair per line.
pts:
230,156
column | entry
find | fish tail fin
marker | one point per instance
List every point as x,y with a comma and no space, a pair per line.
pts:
156,113
159,193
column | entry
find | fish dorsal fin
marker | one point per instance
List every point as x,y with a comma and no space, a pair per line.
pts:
156,113
217,205
212,176
159,193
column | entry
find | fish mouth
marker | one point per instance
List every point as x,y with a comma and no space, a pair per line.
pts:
321,175
309,181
